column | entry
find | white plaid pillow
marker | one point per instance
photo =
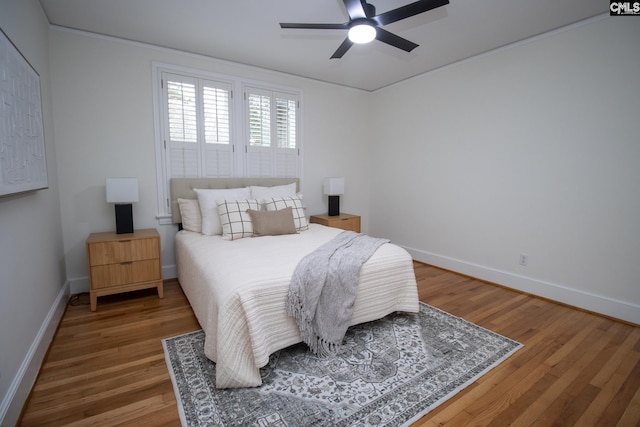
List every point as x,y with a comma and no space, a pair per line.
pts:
295,202
235,221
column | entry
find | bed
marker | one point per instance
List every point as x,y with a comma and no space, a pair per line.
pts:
238,288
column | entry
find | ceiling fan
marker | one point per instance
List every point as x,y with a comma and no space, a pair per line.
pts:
364,25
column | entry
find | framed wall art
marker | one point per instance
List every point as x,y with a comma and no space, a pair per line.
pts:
23,161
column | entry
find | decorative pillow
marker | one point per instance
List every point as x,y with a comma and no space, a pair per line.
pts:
295,202
287,190
191,216
207,198
235,221
272,223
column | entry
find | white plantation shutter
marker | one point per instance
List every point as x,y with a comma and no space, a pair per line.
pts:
272,127
216,115
181,106
259,162
181,126
286,150
286,163
286,122
184,162
259,115
218,150
198,127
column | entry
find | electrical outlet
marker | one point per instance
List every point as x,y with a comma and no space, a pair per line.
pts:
524,259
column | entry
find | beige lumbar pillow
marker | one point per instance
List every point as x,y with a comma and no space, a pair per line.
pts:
272,223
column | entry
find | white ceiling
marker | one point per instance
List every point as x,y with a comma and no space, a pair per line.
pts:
248,32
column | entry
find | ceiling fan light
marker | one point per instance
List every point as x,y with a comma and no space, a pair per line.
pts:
362,33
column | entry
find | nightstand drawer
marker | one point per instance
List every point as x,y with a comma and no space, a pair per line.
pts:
344,221
351,224
104,276
101,253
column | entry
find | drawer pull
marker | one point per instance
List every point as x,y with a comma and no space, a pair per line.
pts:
124,241
126,262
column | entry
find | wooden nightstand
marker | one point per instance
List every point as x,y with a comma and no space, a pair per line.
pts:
344,221
123,262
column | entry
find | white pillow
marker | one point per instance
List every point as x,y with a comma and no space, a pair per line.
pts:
191,216
287,190
207,199
295,202
235,220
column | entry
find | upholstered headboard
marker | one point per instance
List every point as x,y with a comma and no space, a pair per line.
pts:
183,188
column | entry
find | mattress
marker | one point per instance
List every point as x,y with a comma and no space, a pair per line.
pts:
238,288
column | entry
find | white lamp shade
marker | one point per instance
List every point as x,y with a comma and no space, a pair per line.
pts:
334,186
122,190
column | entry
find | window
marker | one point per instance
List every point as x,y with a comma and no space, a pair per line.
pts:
204,131
272,148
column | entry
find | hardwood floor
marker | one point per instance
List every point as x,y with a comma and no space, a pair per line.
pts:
107,367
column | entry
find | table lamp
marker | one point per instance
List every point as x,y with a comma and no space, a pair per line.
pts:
123,192
334,188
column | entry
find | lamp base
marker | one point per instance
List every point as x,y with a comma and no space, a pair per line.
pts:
124,218
334,205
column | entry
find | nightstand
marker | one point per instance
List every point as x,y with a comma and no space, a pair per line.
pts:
123,263
344,221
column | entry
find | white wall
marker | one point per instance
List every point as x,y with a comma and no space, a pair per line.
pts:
104,124
532,149
32,274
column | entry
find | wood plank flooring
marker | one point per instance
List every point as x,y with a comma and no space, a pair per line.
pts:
107,367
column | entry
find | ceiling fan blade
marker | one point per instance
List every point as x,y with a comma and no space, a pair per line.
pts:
342,49
393,40
315,26
355,9
408,10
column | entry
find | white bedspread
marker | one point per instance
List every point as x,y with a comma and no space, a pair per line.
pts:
238,290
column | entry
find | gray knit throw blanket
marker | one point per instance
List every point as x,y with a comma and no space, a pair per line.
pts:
323,289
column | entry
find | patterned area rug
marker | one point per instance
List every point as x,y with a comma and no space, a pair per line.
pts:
389,373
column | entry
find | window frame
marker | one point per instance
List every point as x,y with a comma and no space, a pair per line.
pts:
238,125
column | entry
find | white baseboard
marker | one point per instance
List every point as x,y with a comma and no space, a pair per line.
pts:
81,284
169,272
596,303
14,400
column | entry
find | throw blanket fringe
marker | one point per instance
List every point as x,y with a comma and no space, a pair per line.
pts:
323,289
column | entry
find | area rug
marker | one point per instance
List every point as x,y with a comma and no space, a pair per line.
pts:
390,372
